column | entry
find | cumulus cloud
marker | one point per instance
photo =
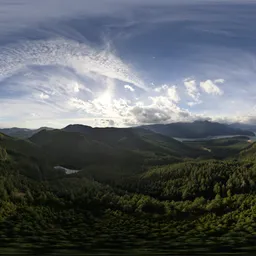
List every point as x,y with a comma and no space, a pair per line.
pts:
211,87
115,108
170,91
173,94
161,88
161,109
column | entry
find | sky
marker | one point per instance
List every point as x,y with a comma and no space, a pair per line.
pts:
125,63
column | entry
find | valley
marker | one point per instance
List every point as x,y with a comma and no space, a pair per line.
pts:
135,189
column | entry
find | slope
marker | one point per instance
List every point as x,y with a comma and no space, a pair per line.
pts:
249,153
109,149
27,157
222,148
72,150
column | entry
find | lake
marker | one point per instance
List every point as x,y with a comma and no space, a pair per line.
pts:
252,138
66,170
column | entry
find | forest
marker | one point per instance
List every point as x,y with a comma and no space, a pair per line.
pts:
135,191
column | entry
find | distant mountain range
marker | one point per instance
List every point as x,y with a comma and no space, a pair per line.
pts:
197,129
112,150
22,133
249,127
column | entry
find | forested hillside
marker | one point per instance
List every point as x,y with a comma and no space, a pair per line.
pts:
112,146
121,200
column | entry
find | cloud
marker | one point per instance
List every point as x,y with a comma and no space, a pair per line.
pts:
62,62
67,53
104,123
76,87
161,88
128,87
161,109
65,75
44,96
170,90
210,87
126,112
191,88
173,94
193,103
219,81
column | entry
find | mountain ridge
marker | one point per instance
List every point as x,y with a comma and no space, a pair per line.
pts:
196,129
22,133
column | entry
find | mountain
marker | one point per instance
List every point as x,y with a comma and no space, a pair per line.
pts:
121,198
19,147
22,133
134,139
197,129
78,146
242,126
85,129
71,149
25,156
160,208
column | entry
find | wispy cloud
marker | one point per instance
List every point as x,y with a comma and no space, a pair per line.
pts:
192,91
78,56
